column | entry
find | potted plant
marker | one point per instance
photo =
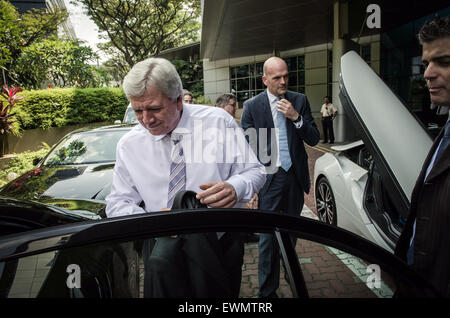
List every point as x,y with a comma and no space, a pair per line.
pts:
10,98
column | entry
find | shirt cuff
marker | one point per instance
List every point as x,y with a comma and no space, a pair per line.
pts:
239,186
299,124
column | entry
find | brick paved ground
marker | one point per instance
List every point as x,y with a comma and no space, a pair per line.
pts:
325,274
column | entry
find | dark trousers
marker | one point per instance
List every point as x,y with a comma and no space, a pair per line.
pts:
282,193
327,124
193,265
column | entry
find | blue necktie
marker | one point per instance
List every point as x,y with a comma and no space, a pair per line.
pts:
177,178
285,158
443,145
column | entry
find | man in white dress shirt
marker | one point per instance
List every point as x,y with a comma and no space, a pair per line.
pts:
218,163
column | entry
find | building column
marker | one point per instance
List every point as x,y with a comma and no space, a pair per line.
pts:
343,130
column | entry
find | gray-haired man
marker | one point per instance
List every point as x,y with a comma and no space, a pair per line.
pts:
159,157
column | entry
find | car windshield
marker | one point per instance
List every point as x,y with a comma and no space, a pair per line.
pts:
130,116
85,147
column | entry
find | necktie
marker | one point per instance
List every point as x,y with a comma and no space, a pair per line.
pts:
177,178
285,158
445,141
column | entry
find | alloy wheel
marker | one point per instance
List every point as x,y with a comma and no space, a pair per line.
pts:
325,204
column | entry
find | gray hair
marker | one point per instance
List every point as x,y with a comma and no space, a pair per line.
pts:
153,71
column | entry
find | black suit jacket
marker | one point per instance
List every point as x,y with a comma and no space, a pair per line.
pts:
257,115
430,207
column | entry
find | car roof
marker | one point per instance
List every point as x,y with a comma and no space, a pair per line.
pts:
93,128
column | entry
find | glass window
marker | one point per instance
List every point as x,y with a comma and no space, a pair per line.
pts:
291,63
259,83
301,78
243,84
192,265
293,78
130,116
243,71
246,80
259,69
87,147
365,53
332,273
301,62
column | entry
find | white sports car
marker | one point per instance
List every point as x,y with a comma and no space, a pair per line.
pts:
365,187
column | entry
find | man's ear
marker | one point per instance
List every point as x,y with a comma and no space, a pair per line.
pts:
264,79
180,103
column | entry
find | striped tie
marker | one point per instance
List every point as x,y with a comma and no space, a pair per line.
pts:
177,179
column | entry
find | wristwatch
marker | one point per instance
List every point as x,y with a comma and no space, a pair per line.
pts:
298,119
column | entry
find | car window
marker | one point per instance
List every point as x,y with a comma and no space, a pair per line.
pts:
83,148
140,268
130,116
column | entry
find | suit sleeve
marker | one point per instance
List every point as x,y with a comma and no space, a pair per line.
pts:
246,117
308,131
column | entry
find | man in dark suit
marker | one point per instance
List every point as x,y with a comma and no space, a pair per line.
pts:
284,155
425,241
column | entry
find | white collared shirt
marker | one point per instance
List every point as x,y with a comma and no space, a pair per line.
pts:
273,108
214,147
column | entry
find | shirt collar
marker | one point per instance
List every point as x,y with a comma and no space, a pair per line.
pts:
272,98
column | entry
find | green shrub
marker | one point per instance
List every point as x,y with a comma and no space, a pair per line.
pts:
67,106
22,163
203,100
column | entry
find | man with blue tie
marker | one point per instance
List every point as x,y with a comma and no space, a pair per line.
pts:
284,117
425,240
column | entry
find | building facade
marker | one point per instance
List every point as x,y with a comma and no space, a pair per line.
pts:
311,36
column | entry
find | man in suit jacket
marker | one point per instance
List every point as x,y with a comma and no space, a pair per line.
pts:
284,155
425,240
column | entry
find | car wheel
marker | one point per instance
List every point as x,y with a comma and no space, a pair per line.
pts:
325,203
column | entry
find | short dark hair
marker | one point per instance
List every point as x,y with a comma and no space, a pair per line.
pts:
329,98
434,29
223,99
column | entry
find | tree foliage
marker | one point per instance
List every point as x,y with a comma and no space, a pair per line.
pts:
18,31
137,29
63,63
191,74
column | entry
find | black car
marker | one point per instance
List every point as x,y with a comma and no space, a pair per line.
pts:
79,166
21,219
86,259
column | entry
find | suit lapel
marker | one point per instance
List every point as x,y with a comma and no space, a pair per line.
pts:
443,163
266,111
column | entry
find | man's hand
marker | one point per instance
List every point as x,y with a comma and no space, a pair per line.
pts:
218,194
285,107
